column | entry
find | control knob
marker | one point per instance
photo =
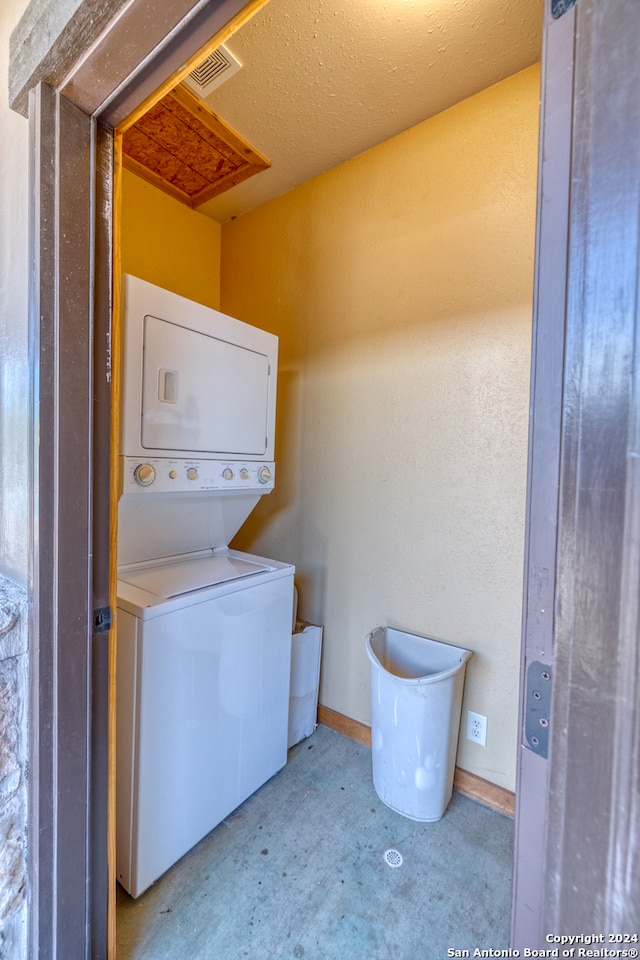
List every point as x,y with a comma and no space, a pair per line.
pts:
227,473
264,475
144,474
192,473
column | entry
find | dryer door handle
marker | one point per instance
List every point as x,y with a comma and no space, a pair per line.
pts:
167,386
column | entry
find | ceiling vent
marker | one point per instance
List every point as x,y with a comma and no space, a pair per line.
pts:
212,72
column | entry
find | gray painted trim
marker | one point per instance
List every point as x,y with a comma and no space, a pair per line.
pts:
42,620
190,36
98,867
593,843
73,320
48,38
61,348
157,29
544,463
95,50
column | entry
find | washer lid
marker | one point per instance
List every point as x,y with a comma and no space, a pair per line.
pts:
178,577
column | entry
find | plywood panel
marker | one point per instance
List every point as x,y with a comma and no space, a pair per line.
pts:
183,148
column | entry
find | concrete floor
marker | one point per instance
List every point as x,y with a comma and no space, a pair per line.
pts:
299,871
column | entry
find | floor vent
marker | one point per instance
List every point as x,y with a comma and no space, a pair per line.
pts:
212,72
393,858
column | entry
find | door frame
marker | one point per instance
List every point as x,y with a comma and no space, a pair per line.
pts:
592,843
543,482
70,472
74,105
577,859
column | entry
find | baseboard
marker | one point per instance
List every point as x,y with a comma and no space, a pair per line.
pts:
483,791
468,784
357,731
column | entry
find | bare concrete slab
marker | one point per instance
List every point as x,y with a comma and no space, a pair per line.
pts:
299,870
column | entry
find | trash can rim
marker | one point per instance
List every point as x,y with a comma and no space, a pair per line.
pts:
424,678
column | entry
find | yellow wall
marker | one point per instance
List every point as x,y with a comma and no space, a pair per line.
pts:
400,284
165,242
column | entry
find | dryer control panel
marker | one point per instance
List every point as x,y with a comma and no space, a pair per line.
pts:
197,476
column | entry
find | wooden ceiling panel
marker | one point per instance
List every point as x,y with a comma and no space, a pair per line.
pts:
164,165
183,148
187,145
197,117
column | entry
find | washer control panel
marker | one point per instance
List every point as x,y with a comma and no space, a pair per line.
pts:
184,476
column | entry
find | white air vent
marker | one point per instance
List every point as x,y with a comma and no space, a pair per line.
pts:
212,72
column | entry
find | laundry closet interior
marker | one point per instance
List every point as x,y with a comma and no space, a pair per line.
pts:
389,246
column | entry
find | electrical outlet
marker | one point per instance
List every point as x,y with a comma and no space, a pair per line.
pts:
476,728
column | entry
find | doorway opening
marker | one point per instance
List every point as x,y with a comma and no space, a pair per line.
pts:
404,324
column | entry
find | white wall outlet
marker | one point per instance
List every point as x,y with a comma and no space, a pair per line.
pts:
477,728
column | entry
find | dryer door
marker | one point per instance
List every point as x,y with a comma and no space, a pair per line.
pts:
201,393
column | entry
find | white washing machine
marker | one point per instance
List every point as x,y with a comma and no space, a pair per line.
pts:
203,632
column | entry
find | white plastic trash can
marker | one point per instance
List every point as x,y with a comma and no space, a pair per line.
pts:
416,699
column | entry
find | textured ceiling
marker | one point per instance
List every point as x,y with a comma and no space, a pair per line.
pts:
324,80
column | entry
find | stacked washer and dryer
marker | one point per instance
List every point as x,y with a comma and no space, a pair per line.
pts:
204,632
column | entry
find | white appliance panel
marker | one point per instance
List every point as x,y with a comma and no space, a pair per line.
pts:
200,393
160,525
195,382
173,475
203,702
146,605
177,577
